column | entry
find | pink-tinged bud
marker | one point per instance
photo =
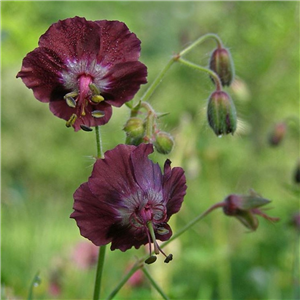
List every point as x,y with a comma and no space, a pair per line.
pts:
134,128
277,134
222,64
164,142
221,113
245,209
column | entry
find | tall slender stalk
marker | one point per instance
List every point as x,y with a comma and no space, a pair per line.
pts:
102,249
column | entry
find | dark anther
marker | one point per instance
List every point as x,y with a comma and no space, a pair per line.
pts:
150,260
85,128
168,258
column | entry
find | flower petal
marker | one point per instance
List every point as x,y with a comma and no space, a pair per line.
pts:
117,43
72,38
124,81
93,217
147,174
124,238
112,178
174,187
40,72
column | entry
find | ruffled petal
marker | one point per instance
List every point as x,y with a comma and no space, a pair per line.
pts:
124,81
72,38
94,218
41,72
117,43
174,188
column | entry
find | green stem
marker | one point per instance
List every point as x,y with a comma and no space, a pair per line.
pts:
101,256
201,40
99,143
192,223
156,286
139,264
99,272
36,281
158,79
210,72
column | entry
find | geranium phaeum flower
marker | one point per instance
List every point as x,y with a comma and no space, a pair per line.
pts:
83,67
128,201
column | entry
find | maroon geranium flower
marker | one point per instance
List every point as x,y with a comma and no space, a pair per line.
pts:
82,68
128,201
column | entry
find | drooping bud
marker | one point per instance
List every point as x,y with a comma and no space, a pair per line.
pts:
134,128
221,113
245,208
222,63
277,134
164,142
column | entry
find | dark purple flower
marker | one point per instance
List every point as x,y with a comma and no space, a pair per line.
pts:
82,68
127,200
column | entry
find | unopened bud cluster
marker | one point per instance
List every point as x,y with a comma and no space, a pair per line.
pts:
145,130
221,111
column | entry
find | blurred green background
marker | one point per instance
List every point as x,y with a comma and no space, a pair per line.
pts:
43,162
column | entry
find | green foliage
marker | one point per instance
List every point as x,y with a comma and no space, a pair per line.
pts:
43,162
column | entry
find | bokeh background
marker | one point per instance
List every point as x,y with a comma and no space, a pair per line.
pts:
43,162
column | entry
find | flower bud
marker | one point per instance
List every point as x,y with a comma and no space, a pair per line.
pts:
221,113
221,63
277,134
134,128
245,209
163,142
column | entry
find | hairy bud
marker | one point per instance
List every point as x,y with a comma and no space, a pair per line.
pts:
134,128
221,63
221,113
164,142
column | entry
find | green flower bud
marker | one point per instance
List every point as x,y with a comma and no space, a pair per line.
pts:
134,128
164,142
221,63
221,113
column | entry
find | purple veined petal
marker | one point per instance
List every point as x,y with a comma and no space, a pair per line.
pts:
72,38
174,187
117,43
124,81
41,71
63,111
147,174
93,217
112,177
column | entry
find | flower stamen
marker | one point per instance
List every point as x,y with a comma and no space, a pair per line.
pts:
157,249
71,121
